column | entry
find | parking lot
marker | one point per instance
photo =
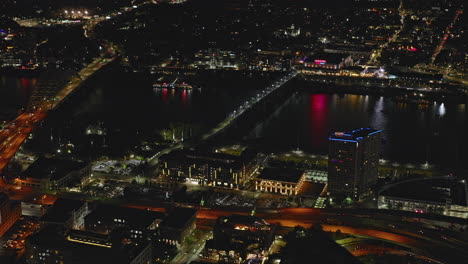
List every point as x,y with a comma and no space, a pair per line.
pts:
16,235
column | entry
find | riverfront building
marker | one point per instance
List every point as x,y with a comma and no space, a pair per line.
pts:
353,159
445,196
280,181
212,169
331,61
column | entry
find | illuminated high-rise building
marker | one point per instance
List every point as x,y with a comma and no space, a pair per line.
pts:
10,211
353,160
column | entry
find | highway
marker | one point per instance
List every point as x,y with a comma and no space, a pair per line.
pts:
15,133
413,235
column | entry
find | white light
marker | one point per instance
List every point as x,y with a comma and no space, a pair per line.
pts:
442,109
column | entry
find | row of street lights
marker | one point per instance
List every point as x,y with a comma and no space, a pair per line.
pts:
78,12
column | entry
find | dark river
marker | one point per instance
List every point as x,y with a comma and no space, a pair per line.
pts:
127,103
14,94
412,133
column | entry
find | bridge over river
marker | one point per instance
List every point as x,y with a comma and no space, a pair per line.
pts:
53,88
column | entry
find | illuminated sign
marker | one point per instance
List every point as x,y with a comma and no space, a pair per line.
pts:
320,62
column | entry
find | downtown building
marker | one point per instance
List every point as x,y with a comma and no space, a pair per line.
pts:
10,212
66,214
280,181
51,245
177,226
140,224
239,239
211,169
438,195
353,160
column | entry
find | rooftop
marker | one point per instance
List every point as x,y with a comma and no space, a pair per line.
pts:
281,174
132,216
178,217
328,58
52,168
51,239
207,157
354,135
244,220
430,190
61,210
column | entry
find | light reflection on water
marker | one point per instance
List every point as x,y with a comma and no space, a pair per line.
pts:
412,133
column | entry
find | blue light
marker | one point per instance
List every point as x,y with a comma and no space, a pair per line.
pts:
360,129
378,131
345,140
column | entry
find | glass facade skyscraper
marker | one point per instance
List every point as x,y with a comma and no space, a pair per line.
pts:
353,160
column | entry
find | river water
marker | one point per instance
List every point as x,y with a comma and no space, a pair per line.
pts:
127,103
14,94
412,133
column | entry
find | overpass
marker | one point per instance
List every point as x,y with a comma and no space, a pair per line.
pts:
407,231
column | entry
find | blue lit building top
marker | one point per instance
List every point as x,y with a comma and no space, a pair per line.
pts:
353,136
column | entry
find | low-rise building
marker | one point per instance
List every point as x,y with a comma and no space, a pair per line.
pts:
238,238
280,181
105,218
333,61
77,247
66,213
212,169
32,208
445,196
177,226
51,173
